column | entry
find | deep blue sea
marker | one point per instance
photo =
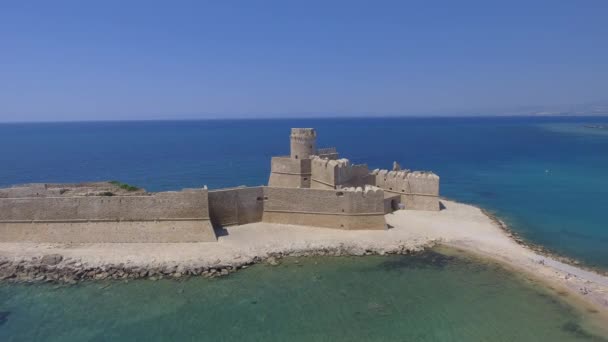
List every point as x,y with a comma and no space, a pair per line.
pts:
547,177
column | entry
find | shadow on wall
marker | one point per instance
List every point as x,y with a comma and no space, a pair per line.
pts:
441,206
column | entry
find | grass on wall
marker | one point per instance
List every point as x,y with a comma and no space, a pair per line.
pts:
124,186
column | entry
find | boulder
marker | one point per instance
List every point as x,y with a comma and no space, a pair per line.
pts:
51,259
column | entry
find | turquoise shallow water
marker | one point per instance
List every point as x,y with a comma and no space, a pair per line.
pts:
429,297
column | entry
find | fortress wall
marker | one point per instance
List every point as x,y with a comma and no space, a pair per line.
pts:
236,206
343,209
327,221
328,153
109,232
343,171
330,174
161,217
191,204
359,176
418,190
290,173
391,202
26,190
323,173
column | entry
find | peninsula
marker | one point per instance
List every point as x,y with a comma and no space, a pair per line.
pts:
316,203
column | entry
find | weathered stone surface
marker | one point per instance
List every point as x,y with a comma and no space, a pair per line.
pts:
51,259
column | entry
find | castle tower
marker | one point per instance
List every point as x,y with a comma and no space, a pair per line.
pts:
303,143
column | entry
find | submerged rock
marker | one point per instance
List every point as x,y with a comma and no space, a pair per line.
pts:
272,261
4,316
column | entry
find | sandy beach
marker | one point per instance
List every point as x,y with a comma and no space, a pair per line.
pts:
460,226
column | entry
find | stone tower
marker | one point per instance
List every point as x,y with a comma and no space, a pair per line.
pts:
303,143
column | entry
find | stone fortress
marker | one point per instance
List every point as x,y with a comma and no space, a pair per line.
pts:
311,187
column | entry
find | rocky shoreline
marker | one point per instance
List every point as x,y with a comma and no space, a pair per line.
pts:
517,238
54,268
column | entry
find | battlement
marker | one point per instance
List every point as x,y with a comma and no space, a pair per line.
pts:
364,190
330,163
328,153
331,174
326,150
418,189
405,174
303,132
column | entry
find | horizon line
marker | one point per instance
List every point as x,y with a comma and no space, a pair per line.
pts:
385,116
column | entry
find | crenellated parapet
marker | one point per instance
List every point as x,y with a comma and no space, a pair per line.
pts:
328,153
331,174
418,189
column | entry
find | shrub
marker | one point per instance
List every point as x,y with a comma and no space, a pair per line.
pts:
124,186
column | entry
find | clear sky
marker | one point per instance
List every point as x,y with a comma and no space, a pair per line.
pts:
109,60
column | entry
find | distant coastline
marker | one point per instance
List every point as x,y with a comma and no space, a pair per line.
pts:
596,126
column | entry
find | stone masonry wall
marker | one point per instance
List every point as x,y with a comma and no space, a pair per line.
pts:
161,217
236,206
289,173
345,208
303,143
418,190
331,174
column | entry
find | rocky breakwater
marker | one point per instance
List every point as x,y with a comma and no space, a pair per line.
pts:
54,268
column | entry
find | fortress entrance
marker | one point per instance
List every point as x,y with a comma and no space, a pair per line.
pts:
395,204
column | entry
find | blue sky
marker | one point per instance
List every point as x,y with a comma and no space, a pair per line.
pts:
112,60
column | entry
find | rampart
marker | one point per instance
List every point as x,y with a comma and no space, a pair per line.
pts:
236,206
160,217
328,153
287,172
350,208
332,174
418,190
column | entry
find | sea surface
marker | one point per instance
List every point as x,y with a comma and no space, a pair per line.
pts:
546,177
429,297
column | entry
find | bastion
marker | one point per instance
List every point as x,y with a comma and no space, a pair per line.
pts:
310,187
